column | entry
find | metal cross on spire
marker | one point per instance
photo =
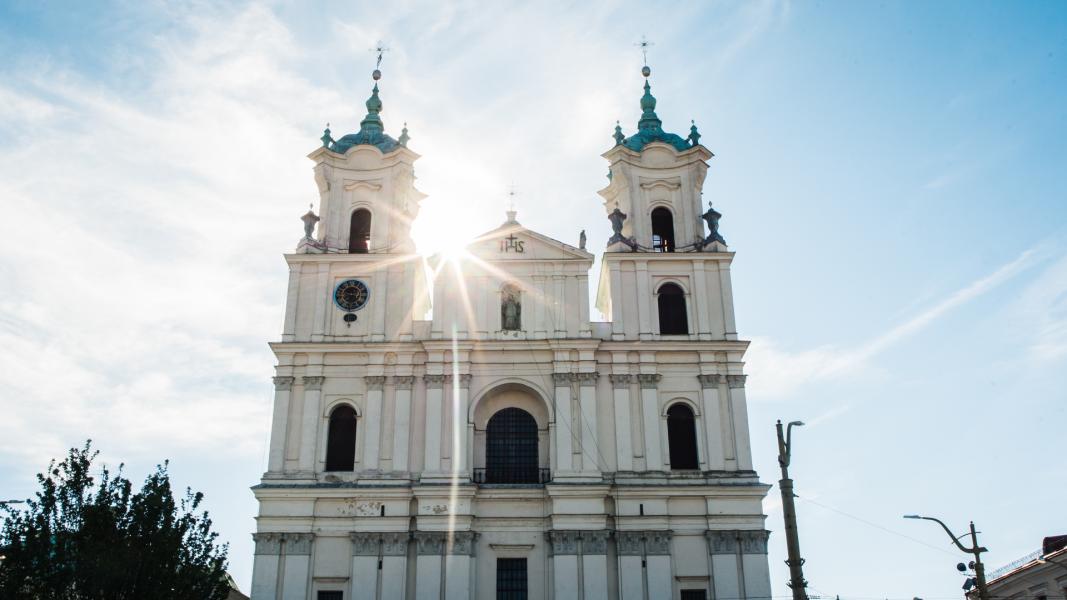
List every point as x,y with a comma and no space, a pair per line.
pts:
381,50
644,44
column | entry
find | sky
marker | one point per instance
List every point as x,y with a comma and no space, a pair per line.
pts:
891,176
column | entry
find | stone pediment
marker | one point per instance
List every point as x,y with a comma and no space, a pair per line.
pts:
512,241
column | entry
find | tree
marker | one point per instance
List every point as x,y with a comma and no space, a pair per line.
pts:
84,538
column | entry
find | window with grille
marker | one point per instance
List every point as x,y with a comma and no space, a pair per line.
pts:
682,437
511,579
672,316
341,439
694,595
330,595
511,447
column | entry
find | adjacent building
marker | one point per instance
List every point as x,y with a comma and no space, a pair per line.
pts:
1040,575
466,431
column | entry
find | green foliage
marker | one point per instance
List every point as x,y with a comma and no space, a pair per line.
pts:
83,538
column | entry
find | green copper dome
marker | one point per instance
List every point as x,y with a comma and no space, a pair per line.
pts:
371,130
650,128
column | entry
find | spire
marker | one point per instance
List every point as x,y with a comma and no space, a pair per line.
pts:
372,123
694,135
371,129
649,120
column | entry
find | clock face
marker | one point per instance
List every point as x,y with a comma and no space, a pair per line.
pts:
351,295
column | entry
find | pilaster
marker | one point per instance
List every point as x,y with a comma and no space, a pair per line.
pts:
650,417
373,421
311,418
402,422
283,385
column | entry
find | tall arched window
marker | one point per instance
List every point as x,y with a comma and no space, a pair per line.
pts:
662,230
672,317
511,447
510,308
341,439
682,437
359,232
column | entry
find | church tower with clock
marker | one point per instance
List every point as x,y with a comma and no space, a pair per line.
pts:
464,429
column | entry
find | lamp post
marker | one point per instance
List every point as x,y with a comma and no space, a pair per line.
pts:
975,549
789,511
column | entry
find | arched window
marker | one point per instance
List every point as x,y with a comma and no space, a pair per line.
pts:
662,230
672,317
359,233
341,439
682,437
511,447
510,308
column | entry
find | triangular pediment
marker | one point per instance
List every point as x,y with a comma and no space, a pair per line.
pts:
512,241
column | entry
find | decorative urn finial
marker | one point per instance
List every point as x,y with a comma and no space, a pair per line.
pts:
404,137
694,135
619,137
309,219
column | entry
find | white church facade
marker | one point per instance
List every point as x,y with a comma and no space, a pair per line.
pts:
509,447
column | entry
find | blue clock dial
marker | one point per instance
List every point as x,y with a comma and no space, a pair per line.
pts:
351,295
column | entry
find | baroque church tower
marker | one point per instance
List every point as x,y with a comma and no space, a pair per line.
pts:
503,444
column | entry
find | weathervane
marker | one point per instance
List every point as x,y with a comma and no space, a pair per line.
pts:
381,50
643,45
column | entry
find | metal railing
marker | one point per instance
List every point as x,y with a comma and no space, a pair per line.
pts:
513,475
1015,564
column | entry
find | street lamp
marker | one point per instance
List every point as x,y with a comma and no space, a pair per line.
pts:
789,512
975,549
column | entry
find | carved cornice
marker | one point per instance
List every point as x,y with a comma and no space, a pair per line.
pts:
649,381
283,383
710,381
375,382
563,379
430,542
464,380
628,543
736,381
462,543
404,382
587,378
366,543
313,382
620,381
595,542
395,543
563,542
294,543
434,382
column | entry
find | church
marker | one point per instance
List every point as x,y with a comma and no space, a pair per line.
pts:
460,428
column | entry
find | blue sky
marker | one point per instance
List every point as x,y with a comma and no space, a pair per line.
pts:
891,176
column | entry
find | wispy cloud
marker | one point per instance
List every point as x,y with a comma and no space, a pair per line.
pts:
777,372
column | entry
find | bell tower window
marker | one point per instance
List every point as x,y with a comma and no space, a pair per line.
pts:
662,230
682,437
359,232
672,314
341,439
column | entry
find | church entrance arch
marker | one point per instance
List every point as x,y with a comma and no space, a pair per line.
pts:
511,435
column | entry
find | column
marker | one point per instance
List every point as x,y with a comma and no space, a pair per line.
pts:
739,416
402,422
590,438
658,564
459,565
651,419
283,386
564,547
646,297
460,441
265,566
296,561
394,565
754,566
713,423
372,418
624,453
595,565
322,302
564,426
434,398
366,548
428,565
631,565
292,298
725,568
310,426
